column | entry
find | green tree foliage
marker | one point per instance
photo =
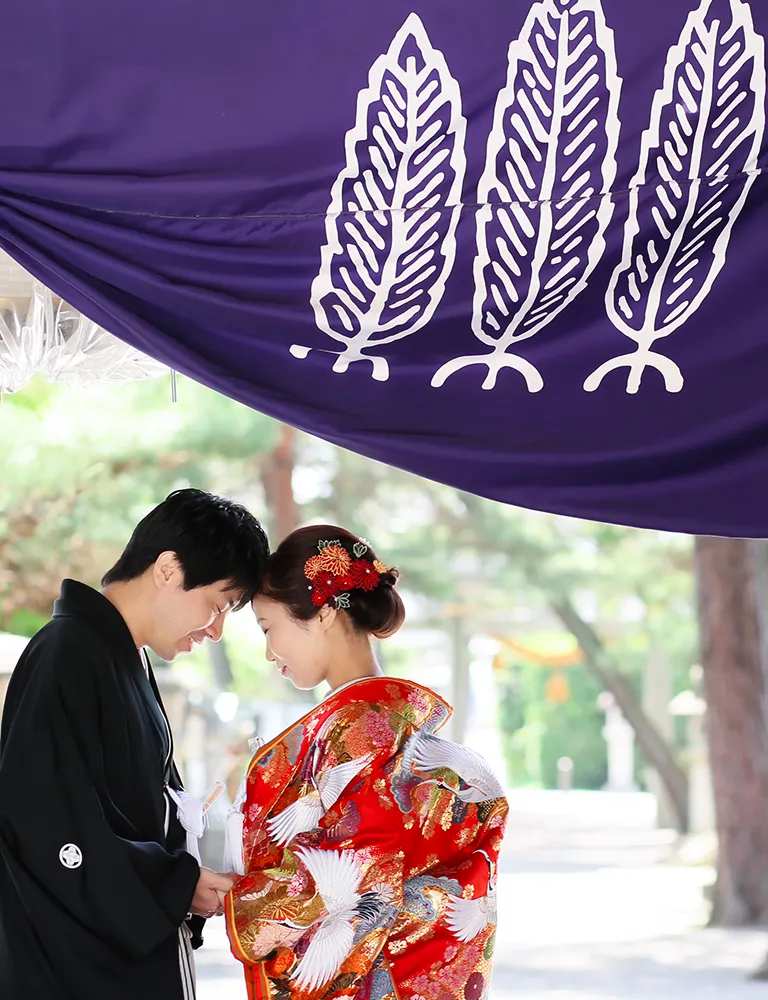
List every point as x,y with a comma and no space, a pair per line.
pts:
79,469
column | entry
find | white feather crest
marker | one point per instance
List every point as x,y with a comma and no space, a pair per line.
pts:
336,876
698,162
331,943
337,880
550,163
332,782
391,224
468,917
306,812
301,816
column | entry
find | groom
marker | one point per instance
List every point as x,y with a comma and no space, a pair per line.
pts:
98,898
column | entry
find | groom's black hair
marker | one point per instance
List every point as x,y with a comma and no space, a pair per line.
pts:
214,539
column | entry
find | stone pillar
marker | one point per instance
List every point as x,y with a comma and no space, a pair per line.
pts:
460,683
701,802
657,693
197,776
620,740
482,728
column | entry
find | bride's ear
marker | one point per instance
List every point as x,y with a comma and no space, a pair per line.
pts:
327,617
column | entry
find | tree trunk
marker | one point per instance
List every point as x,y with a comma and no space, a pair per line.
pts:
735,693
654,747
277,480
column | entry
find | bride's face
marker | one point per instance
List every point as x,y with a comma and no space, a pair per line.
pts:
298,649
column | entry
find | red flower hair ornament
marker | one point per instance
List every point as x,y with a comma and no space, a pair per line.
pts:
333,572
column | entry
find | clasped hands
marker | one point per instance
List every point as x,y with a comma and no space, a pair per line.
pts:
212,887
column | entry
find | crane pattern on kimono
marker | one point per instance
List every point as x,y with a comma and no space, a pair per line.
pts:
337,878
305,813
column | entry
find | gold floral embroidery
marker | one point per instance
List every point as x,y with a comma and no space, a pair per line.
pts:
467,835
281,909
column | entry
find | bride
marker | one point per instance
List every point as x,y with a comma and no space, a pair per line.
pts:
369,844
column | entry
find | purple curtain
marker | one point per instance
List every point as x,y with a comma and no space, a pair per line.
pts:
516,247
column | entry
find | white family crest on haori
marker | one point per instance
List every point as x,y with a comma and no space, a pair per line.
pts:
391,224
430,753
698,161
71,856
337,878
544,193
306,812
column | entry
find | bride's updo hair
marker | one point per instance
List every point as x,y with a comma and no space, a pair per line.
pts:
324,565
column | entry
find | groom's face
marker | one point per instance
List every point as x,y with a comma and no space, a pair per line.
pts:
183,619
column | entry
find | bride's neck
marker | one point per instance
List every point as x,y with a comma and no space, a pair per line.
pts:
354,663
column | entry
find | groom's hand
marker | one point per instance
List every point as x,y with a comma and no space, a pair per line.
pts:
233,877
212,887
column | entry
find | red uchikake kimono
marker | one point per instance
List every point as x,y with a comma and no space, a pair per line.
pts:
370,848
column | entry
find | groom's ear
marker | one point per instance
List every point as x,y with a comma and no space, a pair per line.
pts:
167,571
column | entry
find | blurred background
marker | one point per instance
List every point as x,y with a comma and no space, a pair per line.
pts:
613,677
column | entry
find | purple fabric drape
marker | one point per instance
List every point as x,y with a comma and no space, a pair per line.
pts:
516,247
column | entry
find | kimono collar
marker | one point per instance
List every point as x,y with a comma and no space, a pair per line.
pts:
80,601
418,705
